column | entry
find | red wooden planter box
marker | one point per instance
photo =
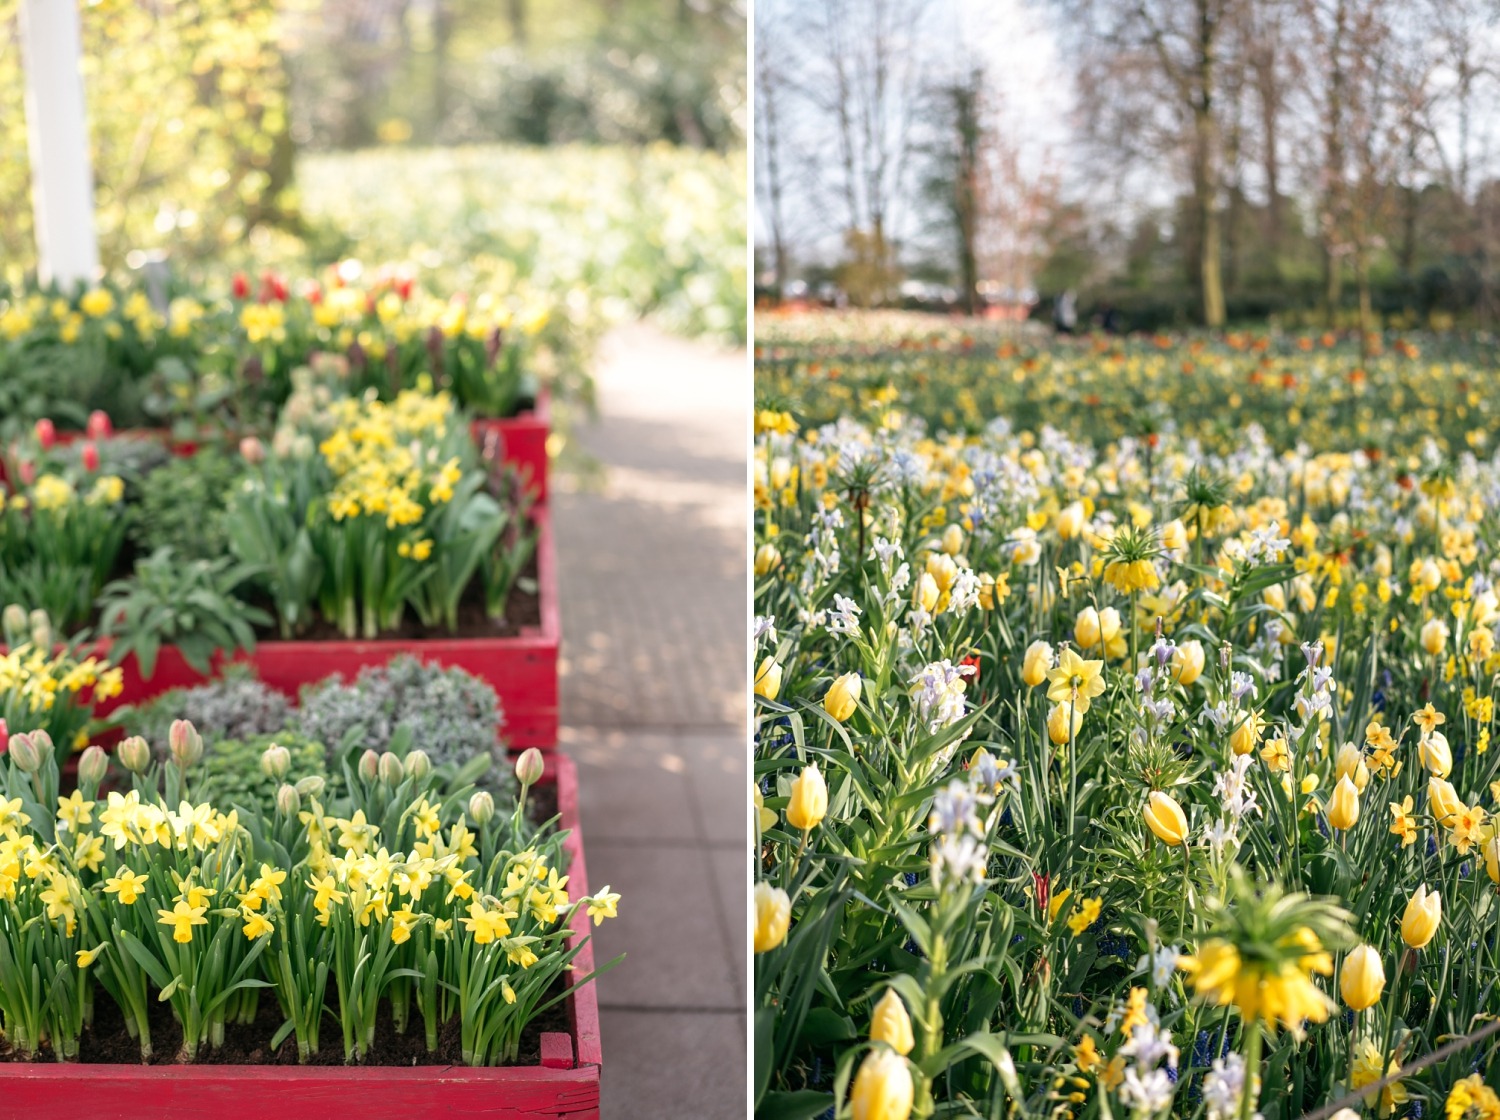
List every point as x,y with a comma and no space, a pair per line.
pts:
521,669
522,441
564,1087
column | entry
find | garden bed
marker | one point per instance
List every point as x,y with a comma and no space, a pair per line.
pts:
522,441
522,668
564,1084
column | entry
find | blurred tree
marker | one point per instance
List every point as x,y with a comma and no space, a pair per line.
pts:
187,107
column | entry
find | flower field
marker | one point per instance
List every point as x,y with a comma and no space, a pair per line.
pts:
1124,717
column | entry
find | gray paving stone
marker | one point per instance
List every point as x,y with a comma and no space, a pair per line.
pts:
669,927
673,1066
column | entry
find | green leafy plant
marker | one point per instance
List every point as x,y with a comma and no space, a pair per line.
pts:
192,605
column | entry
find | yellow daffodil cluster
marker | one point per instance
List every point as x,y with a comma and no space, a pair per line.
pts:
375,453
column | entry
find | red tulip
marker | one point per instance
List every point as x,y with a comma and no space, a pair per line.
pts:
4,737
90,456
28,472
241,286
99,426
46,432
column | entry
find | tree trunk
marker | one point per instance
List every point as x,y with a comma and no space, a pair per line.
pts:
1205,175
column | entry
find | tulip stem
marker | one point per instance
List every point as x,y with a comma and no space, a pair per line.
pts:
1187,879
1252,1069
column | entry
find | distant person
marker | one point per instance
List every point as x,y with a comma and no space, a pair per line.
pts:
1065,313
1111,322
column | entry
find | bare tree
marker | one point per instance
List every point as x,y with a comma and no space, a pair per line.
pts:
771,59
1153,71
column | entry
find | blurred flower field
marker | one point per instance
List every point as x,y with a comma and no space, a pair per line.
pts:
657,230
1124,718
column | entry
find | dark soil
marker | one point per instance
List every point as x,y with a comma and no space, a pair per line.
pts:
108,1042
522,608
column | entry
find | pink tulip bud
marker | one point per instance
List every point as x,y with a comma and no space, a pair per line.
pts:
99,426
46,432
91,456
252,450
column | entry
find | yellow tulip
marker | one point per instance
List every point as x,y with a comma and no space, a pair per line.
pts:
953,540
1351,764
1436,754
943,570
1434,636
809,800
1057,723
1343,806
768,679
1492,858
773,915
1166,818
891,1024
1246,735
1037,663
925,593
1423,914
767,559
1187,662
1443,800
883,1087
1069,521
1362,979
842,696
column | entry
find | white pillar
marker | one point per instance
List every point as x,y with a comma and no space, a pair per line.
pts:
62,183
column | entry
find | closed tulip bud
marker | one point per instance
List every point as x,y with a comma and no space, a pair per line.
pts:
1343,806
943,570
1187,662
1069,521
953,540
186,743
24,752
1423,914
482,808
134,754
1492,859
767,559
780,473
842,696
311,786
1037,662
773,914
883,1087
1166,818
14,622
275,761
1174,536
46,432
391,771
891,1024
418,764
288,801
93,765
369,766
1086,629
1443,800
529,767
768,679
40,624
1058,721
1362,979
1246,735
252,450
925,593
1351,764
1435,754
1434,636
809,799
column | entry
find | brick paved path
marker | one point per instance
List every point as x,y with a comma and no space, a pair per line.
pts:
652,572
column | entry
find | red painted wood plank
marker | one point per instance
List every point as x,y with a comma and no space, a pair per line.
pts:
522,441
557,1051
122,1092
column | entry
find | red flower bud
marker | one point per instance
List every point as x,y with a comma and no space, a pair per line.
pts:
4,737
28,472
241,285
99,425
46,432
90,456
